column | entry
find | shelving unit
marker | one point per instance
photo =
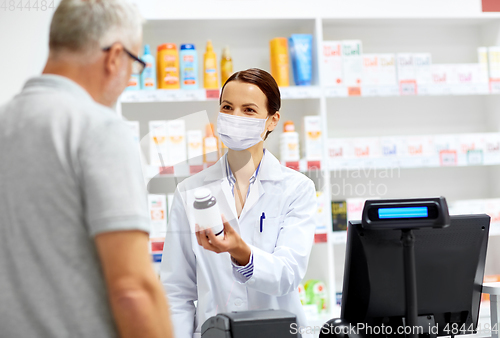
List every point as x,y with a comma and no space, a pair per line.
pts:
452,35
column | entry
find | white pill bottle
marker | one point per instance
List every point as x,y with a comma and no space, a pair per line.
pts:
206,211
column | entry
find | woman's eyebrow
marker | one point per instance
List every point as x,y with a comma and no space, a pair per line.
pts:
250,104
226,101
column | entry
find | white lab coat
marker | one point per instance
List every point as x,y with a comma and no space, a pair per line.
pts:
280,252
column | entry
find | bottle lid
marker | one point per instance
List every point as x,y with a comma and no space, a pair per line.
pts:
209,46
167,46
187,46
288,126
147,50
225,53
202,194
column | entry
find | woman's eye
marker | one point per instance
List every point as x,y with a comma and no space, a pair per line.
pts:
250,110
226,107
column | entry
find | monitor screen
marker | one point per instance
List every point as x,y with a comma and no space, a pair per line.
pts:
449,266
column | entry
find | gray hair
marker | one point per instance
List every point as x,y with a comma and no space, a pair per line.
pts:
85,25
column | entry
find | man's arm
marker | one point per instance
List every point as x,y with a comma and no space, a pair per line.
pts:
137,299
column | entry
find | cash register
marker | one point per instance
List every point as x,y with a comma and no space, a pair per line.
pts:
411,270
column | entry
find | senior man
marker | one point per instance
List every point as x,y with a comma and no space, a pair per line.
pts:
74,222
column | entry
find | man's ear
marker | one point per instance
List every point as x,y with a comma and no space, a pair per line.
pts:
113,59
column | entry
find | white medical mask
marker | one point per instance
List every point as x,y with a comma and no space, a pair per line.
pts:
239,132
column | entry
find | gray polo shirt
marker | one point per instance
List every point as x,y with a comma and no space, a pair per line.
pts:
69,169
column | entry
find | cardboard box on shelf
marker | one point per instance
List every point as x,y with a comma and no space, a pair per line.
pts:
321,215
158,214
176,142
352,65
470,150
332,63
339,215
446,147
491,148
387,64
422,64
406,74
313,139
158,146
371,70
195,147
482,53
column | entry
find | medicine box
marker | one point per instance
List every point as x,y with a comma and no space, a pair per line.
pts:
195,147
352,63
332,63
313,140
158,215
176,142
158,147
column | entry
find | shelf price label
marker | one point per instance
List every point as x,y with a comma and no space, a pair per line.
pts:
293,165
313,165
448,158
212,94
354,91
408,87
166,170
474,157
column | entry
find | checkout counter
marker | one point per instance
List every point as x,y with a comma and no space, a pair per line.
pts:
408,265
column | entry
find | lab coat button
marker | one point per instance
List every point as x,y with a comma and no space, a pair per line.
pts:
238,302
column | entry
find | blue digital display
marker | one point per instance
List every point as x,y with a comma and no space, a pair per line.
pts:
407,212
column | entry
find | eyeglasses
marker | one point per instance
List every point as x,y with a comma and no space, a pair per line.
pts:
137,66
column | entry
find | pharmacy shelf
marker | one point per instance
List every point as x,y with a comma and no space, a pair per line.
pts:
183,170
180,95
410,163
301,92
450,31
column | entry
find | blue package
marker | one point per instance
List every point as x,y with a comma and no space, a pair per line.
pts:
301,54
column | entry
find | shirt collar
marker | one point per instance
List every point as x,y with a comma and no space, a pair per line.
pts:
232,179
58,82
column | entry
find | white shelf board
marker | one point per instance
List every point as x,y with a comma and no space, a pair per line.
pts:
303,92
394,163
352,9
423,90
185,95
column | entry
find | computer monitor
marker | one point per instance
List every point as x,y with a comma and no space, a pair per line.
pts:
449,266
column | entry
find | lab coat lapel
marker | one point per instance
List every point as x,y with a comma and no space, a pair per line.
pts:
270,170
256,193
230,205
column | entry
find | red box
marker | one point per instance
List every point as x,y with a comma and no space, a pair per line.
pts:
491,6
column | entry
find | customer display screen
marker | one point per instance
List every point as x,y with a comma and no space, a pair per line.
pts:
407,212
424,211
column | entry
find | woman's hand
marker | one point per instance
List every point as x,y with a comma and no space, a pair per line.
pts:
231,242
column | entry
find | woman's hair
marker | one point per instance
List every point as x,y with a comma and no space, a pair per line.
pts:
266,84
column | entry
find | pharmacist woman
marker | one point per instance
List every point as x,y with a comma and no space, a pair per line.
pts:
260,259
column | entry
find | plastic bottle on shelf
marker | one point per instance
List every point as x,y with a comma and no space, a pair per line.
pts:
148,76
211,153
189,67
279,61
134,82
168,66
210,76
289,143
226,65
